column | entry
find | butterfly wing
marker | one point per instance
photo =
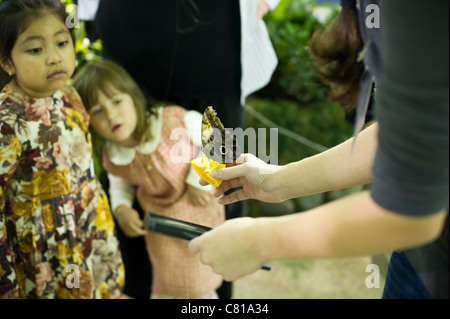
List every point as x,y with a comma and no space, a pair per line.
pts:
218,143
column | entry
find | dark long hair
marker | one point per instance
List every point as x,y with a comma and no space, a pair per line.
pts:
15,17
335,52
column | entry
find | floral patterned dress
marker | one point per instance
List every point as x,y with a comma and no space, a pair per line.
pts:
56,230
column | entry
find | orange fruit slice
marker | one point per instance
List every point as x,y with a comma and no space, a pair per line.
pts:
203,166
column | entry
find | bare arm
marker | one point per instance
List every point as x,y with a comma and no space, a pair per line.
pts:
349,227
352,226
336,168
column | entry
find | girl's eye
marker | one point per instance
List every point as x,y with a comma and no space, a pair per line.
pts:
35,50
117,101
63,43
97,111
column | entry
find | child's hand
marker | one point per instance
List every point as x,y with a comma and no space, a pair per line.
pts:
129,221
198,196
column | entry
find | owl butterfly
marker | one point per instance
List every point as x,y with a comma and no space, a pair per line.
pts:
218,144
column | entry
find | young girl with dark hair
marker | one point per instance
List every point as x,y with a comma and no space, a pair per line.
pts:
57,235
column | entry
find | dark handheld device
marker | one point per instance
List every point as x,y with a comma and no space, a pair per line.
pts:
173,227
177,228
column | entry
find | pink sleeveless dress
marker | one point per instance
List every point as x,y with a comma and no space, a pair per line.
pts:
161,188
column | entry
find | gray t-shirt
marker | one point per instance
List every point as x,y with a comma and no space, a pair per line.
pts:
411,169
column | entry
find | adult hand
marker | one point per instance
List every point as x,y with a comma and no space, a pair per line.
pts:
129,221
257,179
228,249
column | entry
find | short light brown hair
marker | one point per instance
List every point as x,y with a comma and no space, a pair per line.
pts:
105,76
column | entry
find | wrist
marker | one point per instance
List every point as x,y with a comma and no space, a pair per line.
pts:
280,181
259,244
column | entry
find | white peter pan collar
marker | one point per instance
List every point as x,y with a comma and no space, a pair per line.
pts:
121,155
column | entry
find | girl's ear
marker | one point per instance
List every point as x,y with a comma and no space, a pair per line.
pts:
7,65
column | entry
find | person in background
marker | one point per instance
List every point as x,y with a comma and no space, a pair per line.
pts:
57,236
404,156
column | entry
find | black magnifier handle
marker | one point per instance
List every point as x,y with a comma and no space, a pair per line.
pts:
173,227
177,228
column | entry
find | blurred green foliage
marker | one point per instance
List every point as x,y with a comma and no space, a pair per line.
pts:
295,98
290,27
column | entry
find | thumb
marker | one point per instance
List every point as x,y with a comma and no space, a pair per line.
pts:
233,170
194,246
139,223
229,172
138,229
